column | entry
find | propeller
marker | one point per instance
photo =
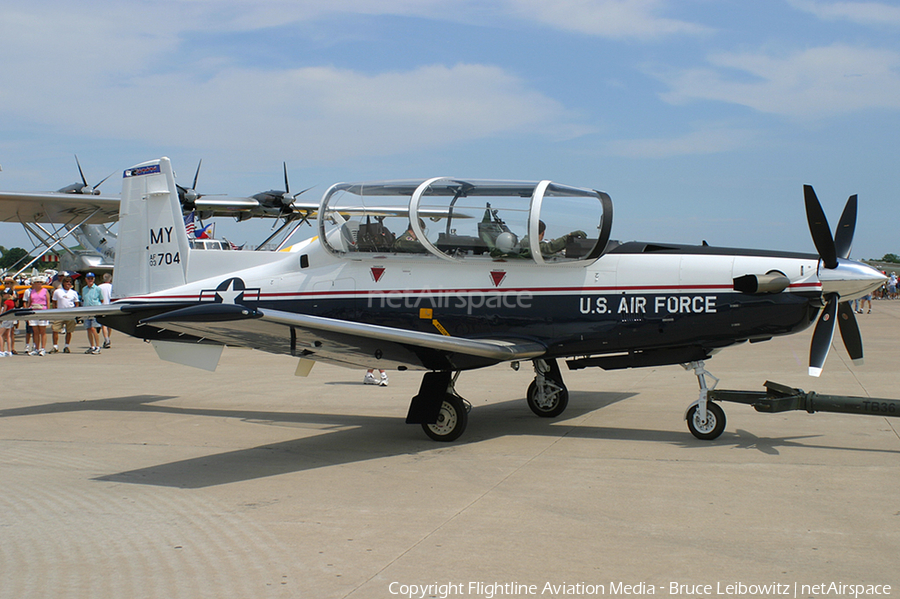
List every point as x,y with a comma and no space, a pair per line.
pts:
87,189
287,199
189,195
830,250
279,200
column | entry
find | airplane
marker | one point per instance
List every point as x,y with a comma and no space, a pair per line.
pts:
69,207
471,283
79,210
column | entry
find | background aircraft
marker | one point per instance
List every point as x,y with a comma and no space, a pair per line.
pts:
473,292
80,211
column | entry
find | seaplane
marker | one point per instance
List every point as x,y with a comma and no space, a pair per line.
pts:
447,274
81,211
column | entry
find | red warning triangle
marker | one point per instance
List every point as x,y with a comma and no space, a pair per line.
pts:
377,272
497,277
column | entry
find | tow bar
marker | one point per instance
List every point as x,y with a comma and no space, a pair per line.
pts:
781,398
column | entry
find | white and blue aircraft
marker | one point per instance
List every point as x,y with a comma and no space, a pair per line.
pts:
446,274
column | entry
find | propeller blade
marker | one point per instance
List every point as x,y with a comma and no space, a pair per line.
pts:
843,237
83,180
104,179
850,332
197,174
287,186
302,192
818,227
822,337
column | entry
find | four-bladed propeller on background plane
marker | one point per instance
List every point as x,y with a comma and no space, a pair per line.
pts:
831,251
279,200
188,195
84,188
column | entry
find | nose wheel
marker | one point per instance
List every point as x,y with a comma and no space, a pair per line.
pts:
709,428
705,419
547,395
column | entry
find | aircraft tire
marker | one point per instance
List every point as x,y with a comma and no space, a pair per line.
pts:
452,420
557,406
715,422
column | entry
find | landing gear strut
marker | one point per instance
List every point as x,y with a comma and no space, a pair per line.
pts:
547,394
705,419
442,413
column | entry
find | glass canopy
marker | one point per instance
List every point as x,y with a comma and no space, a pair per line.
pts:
463,220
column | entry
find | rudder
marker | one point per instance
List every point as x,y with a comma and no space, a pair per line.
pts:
153,249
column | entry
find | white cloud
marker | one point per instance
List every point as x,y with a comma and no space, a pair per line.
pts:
815,83
615,19
320,112
112,71
863,13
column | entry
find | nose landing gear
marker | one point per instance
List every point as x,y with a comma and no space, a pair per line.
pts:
705,419
547,394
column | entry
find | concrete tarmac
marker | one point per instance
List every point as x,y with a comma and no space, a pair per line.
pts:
122,476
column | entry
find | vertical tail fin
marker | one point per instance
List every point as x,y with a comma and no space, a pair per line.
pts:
153,249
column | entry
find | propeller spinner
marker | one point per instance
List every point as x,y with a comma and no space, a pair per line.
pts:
841,278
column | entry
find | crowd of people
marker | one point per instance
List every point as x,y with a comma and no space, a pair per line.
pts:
888,291
42,292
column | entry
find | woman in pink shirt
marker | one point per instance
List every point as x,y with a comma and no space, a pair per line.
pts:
38,300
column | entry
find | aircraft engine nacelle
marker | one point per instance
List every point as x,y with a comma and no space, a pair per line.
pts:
771,282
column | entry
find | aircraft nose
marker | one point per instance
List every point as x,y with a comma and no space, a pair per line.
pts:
850,280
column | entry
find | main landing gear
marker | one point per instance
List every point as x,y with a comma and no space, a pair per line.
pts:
705,419
443,414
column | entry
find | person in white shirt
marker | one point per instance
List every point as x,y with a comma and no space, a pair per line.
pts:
63,298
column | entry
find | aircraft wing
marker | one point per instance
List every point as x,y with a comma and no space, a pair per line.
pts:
339,341
70,208
58,208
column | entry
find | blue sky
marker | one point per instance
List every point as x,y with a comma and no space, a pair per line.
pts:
702,119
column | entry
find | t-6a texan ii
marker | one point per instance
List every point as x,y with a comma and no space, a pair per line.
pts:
445,275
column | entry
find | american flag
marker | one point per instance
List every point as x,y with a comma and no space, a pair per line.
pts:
189,224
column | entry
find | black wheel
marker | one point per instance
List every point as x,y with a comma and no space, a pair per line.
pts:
555,400
714,425
451,421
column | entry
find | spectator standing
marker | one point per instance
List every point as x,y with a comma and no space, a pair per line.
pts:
38,299
8,327
64,298
91,296
106,292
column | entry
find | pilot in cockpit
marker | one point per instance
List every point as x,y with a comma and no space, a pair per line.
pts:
554,246
408,242
548,248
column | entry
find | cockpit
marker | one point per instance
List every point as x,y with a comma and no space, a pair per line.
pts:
463,220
